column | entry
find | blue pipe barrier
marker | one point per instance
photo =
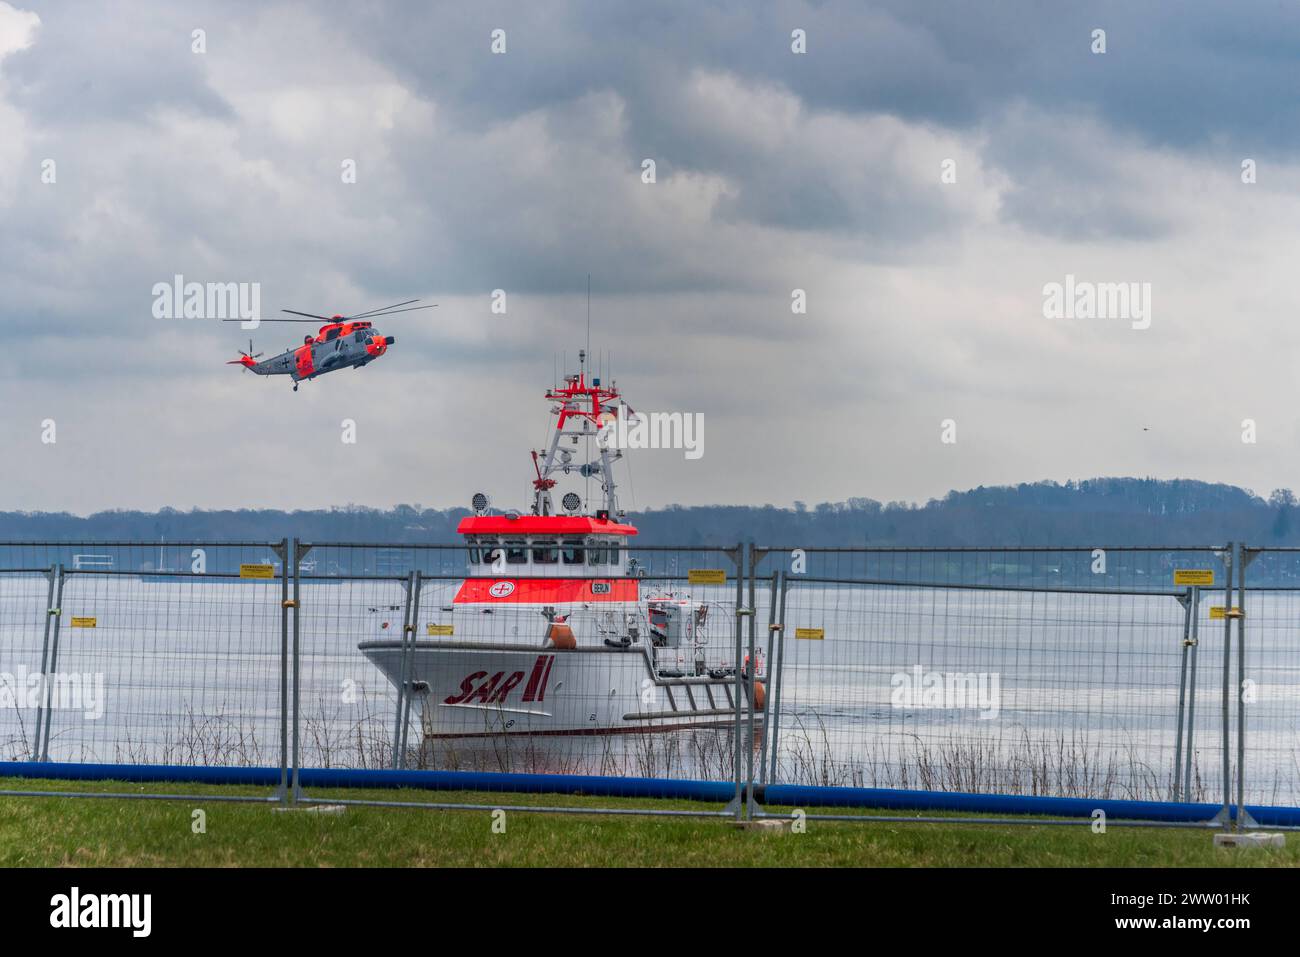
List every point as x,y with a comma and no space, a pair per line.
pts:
596,785
782,795
59,771
801,796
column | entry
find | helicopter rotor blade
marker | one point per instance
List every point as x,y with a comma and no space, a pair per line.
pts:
260,321
370,312
313,317
393,312
310,315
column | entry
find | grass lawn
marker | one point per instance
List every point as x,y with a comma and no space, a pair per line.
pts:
112,832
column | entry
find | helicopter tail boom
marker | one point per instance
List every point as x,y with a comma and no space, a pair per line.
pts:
252,365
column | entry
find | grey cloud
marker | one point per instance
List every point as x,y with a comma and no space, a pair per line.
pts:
96,63
522,172
944,63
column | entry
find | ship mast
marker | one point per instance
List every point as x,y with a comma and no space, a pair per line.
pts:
581,410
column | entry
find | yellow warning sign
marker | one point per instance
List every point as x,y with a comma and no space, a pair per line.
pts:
1193,576
1218,612
433,629
256,571
813,634
707,576
83,622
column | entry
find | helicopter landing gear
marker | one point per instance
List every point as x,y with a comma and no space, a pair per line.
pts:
295,387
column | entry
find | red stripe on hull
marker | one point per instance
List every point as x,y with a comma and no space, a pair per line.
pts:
557,591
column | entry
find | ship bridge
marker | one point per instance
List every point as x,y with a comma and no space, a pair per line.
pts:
560,546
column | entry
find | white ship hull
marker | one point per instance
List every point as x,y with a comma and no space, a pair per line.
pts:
480,689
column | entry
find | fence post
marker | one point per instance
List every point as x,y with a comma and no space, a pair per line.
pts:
774,703
1185,599
410,661
54,661
282,549
738,558
1191,699
1244,557
751,679
1226,812
51,611
771,642
408,627
299,551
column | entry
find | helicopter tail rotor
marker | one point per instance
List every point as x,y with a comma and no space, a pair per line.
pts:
246,359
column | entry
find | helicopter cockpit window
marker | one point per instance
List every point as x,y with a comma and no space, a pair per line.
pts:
359,336
573,553
545,551
332,334
516,553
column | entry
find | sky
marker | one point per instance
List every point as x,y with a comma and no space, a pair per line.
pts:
922,172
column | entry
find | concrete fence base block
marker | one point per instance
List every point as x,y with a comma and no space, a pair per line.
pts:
1250,839
765,825
313,808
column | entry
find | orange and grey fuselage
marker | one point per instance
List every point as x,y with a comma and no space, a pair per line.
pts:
344,344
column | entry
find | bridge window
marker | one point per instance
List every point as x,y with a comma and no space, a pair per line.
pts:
472,544
545,551
516,553
598,553
491,551
574,554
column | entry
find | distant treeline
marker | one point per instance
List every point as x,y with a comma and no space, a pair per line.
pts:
1105,511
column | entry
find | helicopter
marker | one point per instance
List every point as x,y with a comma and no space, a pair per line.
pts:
342,342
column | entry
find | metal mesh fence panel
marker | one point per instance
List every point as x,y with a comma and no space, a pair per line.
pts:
542,660
24,597
1270,683
346,706
1046,672
149,662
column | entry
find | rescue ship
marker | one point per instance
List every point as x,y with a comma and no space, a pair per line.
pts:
557,630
